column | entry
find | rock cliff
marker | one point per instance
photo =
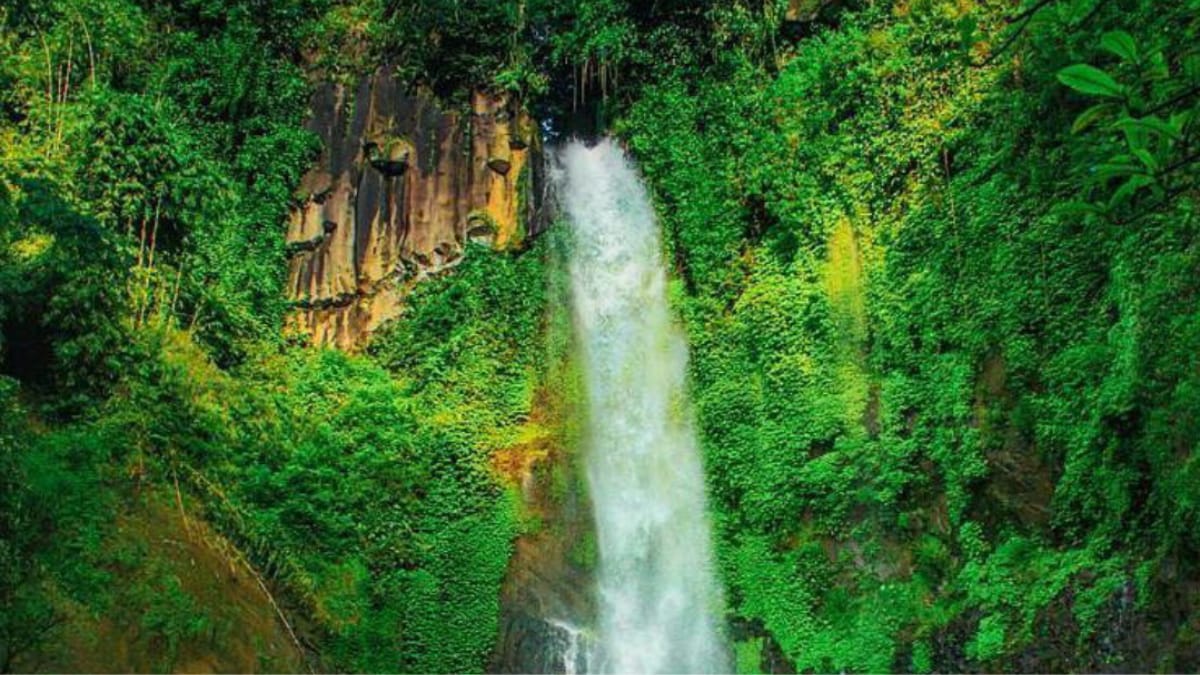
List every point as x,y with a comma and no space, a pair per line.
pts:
401,186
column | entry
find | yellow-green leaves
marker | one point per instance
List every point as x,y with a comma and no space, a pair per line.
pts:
1091,80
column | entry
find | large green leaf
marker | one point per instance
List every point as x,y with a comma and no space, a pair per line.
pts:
1088,117
1151,124
1120,43
1075,208
1090,80
1136,137
1148,160
1128,189
1117,167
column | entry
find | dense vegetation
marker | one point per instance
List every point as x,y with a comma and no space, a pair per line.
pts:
938,261
150,152
940,276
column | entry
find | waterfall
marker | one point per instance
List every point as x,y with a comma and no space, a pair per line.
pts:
658,603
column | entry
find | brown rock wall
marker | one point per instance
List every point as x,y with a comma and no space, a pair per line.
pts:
399,188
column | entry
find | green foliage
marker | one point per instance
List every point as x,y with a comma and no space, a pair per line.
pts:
161,144
368,498
52,518
923,334
1089,80
938,266
747,656
150,154
26,612
171,616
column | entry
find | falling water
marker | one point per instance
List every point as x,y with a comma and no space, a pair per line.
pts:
658,602
573,650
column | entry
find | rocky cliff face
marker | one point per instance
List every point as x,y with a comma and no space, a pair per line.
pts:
400,187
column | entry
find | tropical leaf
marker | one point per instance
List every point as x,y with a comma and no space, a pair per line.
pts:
1120,43
1147,159
1089,117
1152,124
1180,120
1136,137
1107,170
1087,79
1157,68
1128,189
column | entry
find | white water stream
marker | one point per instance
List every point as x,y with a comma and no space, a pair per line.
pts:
658,602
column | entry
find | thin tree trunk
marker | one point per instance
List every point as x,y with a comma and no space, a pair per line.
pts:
87,36
145,304
175,293
187,529
141,243
64,89
49,83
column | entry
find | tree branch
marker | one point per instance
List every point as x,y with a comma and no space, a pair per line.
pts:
1168,103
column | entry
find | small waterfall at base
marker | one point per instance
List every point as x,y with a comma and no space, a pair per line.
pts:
574,647
657,600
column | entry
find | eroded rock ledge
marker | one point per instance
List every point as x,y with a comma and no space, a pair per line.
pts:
400,186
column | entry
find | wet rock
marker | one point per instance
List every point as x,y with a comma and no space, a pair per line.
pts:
389,156
480,228
547,591
303,246
482,234
499,165
533,644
